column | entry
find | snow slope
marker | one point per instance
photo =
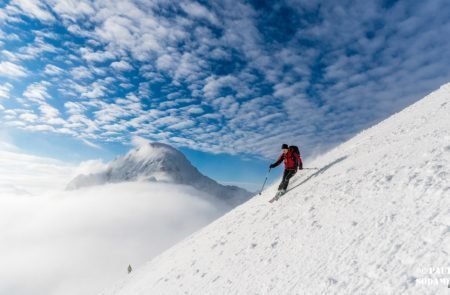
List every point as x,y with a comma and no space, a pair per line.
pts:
158,162
374,219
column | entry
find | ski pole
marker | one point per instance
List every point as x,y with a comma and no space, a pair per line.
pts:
267,175
310,169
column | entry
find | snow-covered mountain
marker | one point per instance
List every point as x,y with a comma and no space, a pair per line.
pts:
158,162
373,219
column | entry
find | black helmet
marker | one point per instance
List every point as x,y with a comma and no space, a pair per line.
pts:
284,146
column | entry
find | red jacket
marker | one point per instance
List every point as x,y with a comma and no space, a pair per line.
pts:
291,161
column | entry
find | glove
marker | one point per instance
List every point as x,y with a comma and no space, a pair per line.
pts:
272,166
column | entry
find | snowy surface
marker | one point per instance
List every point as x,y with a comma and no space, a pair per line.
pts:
158,162
374,219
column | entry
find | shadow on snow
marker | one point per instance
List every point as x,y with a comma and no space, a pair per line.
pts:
320,171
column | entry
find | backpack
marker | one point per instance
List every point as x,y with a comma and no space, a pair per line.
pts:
294,149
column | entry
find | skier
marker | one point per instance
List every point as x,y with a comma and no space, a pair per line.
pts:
292,160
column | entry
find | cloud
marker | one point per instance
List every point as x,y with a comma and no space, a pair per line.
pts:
166,62
74,108
110,113
199,11
214,85
81,124
11,70
5,146
90,167
182,125
189,68
36,49
37,92
28,117
72,10
81,73
82,241
138,141
30,173
121,66
34,8
91,144
195,110
5,89
48,112
329,69
53,70
96,56
119,30
3,15
40,128
95,90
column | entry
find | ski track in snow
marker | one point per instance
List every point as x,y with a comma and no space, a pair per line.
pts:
374,215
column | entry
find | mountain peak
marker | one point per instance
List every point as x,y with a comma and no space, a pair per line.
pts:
156,162
159,162
154,150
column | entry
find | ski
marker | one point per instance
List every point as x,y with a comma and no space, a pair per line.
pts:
273,199
277,196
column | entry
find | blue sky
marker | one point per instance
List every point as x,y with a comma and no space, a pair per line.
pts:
224,81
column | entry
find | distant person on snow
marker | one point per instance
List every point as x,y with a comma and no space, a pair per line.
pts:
292,160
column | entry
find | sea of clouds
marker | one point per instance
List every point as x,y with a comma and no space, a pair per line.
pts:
55,241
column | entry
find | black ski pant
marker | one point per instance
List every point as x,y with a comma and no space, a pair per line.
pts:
286,177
